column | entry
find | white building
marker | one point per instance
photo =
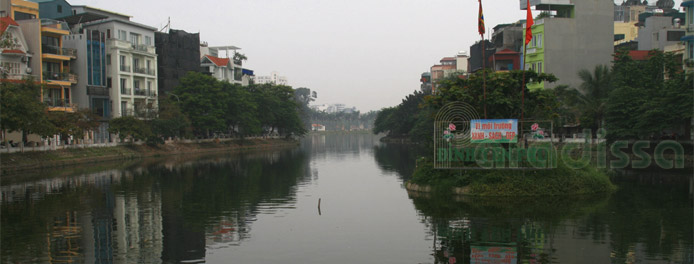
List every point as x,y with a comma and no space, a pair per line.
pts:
131,63
274,78
14,59
223,67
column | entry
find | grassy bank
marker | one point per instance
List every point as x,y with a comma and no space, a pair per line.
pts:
559,181
15,162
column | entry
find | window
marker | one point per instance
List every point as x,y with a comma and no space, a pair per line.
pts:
136,63
148,40
124,108
108,82
691,50
108,59
123,87
23,16
108,33
122,35
134,38
122,64
148,65
618,37
673,35
60,9
539,40
11,67
538,67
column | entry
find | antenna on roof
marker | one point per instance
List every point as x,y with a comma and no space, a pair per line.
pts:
168,25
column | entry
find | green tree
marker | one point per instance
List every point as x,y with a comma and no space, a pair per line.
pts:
170,121
241,112
204,101
21,109
129,126
649,97
592,98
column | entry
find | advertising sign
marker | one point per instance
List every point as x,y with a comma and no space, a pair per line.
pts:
494,131
493,255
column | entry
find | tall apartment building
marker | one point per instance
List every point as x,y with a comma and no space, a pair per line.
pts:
178,53
130,62
688,39
50,61
577,35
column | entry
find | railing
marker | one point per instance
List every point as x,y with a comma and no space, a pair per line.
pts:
45,22
141,92
125,91
70,52
151,72
125,68
48,49
72,78
152,93
140,70
95,90
144,48
58,103
12,76
56,76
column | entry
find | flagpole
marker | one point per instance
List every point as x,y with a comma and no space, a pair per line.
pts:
484,77
525,52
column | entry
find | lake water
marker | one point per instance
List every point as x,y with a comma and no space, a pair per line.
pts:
263,207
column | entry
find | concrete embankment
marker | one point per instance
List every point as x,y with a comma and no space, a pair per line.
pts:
17,162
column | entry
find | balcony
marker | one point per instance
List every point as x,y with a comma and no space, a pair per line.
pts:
96,90
56,76
152,93
125,91
72,78
144,48
59,105
140,70
54,27
141,92
125,68
58,53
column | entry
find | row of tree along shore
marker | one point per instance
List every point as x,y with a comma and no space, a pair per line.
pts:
648,99
200,107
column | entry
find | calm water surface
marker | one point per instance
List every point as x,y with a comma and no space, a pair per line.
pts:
262,207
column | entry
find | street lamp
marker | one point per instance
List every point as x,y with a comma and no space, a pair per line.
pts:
170,93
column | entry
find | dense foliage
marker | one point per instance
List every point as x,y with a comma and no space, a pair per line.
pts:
205,106
21,110
649,97
414,117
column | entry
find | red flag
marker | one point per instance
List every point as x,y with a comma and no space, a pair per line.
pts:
480,22
529,24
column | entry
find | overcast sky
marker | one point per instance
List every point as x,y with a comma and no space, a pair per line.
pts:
364,53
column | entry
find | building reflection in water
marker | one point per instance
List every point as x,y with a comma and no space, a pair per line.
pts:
165,211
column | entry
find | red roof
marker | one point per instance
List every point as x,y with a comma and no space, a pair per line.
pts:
218,61
447,59
639,54
13,51
6,22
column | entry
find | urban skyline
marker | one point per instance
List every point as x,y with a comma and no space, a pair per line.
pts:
381,50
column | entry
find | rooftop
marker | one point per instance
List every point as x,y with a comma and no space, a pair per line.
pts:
220,62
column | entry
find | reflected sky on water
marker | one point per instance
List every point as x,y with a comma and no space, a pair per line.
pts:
262,207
